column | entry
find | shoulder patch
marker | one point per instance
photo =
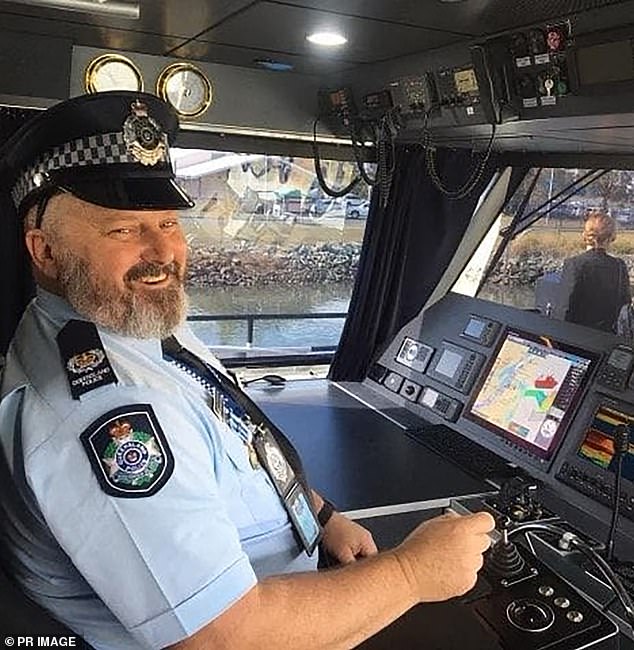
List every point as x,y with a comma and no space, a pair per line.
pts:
85,361
128,451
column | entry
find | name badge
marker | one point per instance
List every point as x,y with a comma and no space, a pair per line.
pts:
290,490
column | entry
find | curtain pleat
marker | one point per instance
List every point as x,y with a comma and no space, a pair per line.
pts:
406,247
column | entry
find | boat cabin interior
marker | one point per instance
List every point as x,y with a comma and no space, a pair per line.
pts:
454,150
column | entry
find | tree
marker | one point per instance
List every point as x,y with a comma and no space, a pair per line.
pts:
612,187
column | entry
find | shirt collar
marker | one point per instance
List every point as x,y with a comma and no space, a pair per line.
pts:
60,311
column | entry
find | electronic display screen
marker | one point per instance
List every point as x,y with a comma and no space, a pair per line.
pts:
620,359
448,363
474,328
530,391
598,446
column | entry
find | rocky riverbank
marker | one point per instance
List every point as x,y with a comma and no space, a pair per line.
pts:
250,265
527,268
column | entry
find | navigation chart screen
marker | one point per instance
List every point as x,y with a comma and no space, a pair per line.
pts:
531,390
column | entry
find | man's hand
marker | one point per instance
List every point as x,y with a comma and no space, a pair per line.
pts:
346,540
441,558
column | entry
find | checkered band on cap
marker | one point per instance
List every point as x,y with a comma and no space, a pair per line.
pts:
100,149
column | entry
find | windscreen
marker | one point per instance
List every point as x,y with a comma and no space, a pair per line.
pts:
530,391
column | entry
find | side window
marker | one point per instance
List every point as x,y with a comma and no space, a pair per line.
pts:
570,255
265,240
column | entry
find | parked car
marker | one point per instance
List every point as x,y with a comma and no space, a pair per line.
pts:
357,209
350,207
623,214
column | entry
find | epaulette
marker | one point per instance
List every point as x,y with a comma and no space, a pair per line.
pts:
84,357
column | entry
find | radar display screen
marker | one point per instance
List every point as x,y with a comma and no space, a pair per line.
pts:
598,444
530,391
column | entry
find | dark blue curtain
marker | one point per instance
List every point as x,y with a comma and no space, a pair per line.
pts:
16,287
406,249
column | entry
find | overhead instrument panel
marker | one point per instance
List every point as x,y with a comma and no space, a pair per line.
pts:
415,94
458,88
444,95
540,64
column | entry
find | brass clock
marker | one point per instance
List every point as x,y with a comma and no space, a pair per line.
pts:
112,72
186,88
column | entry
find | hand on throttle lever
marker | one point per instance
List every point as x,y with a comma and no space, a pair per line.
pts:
441,558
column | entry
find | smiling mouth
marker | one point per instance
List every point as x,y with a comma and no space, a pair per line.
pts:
154,279
148,274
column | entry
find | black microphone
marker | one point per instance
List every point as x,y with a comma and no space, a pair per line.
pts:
621,443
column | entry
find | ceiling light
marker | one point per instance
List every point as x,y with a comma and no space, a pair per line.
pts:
328,39
116,8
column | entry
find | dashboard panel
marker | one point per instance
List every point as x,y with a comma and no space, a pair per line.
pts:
542,394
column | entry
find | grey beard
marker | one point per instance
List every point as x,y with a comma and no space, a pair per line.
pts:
155,313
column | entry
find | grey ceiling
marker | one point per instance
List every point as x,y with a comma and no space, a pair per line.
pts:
238,31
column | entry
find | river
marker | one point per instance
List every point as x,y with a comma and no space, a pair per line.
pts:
304,333
271,300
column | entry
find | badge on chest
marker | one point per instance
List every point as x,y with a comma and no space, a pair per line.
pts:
290,490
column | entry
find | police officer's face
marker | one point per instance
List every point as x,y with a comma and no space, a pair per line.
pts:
122,269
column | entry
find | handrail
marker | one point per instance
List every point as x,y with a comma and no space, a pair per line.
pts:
251,318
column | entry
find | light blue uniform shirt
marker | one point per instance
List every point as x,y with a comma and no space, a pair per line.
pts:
140,572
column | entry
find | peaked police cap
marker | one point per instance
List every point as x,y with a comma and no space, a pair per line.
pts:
110,149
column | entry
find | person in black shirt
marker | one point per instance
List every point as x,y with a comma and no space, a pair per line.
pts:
594,285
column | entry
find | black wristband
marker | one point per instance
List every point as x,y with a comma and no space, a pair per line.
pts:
325,512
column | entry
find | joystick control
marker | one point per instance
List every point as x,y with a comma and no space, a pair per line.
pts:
504,559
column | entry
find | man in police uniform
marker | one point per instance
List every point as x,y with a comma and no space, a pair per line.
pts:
154,505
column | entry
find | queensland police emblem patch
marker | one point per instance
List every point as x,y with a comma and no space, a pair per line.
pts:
128,451
85,361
